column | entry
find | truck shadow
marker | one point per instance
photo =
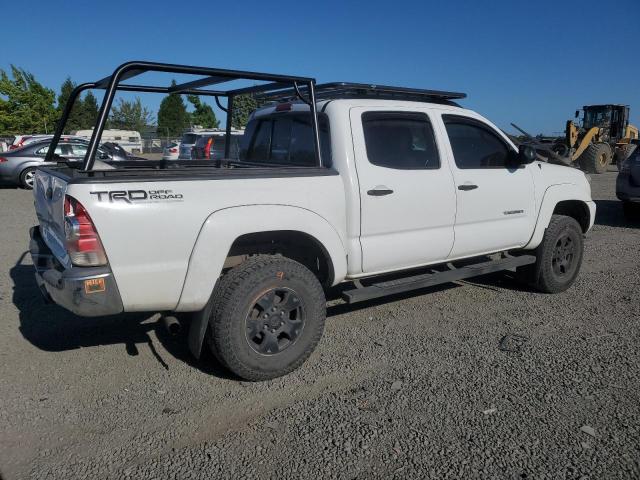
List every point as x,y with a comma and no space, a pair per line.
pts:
609,213
54,329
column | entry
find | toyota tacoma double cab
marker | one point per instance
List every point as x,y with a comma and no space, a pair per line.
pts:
383,189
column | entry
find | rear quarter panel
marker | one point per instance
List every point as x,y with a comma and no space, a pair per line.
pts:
149,243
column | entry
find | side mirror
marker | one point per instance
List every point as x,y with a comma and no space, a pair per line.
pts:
577,114
526,154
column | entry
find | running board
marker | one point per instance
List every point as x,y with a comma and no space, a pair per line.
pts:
424,280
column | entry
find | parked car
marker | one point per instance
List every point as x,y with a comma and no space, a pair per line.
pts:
628,183
23,140
396,180
171,151
212,147
116,153
18,166
187,143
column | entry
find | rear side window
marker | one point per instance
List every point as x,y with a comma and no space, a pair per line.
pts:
285,140
474,145
400,140
43,151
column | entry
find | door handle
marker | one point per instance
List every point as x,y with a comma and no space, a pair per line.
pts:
467,186
379,191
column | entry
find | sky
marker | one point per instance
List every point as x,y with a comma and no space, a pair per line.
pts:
529,62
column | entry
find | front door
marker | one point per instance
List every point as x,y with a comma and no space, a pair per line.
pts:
495,198
407,197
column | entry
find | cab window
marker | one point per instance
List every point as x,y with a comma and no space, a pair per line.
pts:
285,140
400,140
474,145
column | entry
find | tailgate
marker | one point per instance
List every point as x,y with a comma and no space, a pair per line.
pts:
49,191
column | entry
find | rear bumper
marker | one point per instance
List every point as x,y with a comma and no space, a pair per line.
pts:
85,291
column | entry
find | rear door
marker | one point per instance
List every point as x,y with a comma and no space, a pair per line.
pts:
495,199
407,196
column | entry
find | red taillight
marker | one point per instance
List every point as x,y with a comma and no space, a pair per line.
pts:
174,150
207,148
82,240
2,159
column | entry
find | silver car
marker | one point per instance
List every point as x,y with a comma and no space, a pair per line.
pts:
18,166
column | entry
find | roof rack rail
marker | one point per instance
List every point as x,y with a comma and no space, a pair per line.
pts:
336,90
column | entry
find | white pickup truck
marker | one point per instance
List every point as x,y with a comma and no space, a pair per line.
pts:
340,183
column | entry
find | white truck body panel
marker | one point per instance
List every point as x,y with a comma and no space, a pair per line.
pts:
151,265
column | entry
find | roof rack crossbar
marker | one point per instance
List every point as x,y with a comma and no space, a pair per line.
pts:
260,88
150,89
134,72
202,82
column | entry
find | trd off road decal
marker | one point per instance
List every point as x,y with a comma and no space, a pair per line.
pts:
138,196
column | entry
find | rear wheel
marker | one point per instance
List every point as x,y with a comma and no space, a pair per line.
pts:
27,177
559,257
596,158
267,318
623,152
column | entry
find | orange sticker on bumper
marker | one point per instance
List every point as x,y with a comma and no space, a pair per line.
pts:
94,285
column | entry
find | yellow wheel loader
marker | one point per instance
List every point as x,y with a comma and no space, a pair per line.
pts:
603,135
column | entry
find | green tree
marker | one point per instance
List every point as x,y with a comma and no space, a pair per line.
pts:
130,116
243,106
26,106
74,121
173,117
89,111
202,115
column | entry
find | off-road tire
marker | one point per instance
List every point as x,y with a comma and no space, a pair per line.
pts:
631,211
234,299
596,158
623,152
544,275
26,178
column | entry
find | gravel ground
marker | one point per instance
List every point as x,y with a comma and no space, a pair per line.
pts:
413,387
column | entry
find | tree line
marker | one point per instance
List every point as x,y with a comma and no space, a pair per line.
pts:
27,106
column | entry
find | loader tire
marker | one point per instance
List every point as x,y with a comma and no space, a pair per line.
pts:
623,152
596,158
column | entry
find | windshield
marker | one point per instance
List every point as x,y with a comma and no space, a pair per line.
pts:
597,117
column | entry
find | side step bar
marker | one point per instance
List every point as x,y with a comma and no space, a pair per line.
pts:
415,282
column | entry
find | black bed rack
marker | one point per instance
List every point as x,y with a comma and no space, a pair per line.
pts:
335,90
208,76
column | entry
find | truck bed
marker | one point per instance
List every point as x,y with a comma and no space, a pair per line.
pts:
152,170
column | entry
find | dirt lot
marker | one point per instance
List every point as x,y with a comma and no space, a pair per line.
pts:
416,386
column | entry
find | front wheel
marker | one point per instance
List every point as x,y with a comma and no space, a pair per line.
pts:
27,178
267,317
559,257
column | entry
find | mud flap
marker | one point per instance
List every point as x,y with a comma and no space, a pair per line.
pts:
198,328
